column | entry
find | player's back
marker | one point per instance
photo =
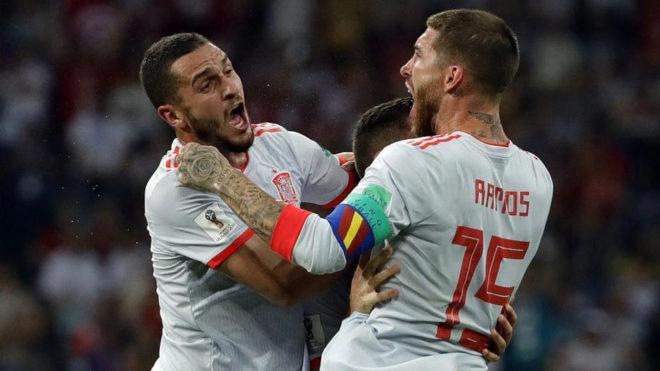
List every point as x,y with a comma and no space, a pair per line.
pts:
471,221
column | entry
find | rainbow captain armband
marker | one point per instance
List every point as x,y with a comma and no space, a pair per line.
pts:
359,223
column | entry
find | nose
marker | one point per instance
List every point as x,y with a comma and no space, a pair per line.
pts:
405,69
231,89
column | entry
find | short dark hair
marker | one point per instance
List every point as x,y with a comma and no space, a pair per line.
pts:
378,127
483,42
157,79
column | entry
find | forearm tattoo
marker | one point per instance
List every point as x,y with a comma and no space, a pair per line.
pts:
204,168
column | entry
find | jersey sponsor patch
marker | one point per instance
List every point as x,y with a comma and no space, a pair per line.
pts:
215,223
360,223
285,188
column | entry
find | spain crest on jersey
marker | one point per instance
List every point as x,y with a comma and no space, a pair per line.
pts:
285,188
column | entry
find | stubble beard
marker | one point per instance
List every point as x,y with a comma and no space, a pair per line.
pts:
206,131
424,111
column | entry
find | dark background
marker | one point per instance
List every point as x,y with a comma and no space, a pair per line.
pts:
79,139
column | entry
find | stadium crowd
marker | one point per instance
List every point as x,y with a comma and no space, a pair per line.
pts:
79,139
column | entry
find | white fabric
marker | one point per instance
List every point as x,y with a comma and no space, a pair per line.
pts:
432,193
317,249
354,331
211,322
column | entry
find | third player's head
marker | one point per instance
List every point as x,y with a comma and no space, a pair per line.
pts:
379,127
463,53
196,90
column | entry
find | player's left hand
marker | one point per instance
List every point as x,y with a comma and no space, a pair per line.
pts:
501,335
369,275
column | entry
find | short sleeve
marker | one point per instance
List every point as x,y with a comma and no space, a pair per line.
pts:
198,225
376,209
326,182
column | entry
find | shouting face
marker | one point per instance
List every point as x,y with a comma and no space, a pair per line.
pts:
210,96
423,77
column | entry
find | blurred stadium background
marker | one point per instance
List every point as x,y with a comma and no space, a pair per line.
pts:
79,139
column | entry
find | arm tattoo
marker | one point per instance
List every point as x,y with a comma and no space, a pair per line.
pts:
204,168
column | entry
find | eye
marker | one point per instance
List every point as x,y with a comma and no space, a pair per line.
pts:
206,86
229,70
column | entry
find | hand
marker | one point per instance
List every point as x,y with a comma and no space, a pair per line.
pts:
345,157
200,166
501,335
368,276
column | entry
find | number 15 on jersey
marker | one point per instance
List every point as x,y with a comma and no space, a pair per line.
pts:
498,249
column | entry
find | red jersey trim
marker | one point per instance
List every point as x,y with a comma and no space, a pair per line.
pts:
287,230
490,143
260,129
171,162
434,140
352,182
224,254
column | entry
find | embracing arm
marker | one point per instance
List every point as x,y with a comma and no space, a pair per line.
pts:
282,283
204,168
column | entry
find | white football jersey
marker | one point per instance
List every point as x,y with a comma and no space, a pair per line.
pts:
211,322
465,219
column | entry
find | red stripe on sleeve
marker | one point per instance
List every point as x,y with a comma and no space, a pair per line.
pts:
286,231
224,254
352,182
345,221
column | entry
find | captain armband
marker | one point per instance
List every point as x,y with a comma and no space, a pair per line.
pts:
359,223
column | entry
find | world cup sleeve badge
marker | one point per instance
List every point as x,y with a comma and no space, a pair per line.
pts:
285,188
215,222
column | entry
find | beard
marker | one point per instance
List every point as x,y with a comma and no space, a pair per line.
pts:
426,105
208,132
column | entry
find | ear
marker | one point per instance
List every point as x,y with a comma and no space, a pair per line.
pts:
453,80
172,116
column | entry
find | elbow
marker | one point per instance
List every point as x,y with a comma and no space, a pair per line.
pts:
284,299
282,296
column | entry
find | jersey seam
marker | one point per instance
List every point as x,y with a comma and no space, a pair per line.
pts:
192,312
298,163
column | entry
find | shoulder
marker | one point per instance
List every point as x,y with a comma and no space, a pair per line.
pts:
270,132
272,137
411,151
396,158
169,199
536,166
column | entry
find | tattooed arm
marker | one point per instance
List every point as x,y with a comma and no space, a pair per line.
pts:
204,168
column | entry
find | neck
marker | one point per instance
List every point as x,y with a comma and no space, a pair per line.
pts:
471,115
237,160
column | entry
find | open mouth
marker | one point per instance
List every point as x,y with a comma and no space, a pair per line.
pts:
238,118
410,90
